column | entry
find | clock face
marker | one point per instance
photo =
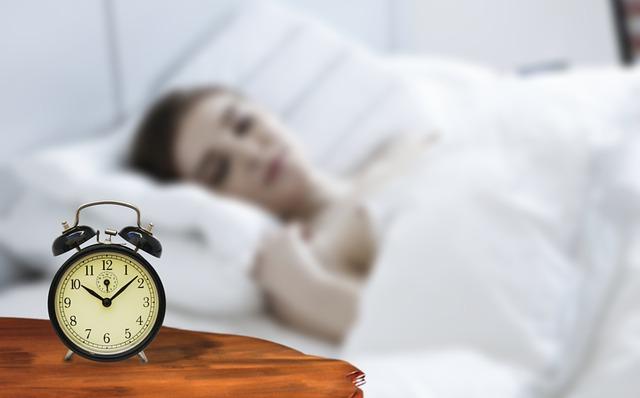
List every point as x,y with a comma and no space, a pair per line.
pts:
106,302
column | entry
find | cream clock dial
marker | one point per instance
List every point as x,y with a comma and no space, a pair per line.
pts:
106,302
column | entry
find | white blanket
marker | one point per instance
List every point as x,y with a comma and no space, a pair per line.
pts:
517,244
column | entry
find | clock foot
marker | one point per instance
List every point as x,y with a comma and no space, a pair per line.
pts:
143,357
68,355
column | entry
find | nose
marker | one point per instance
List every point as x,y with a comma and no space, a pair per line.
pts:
250,155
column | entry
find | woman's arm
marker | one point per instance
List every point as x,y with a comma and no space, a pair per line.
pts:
301,291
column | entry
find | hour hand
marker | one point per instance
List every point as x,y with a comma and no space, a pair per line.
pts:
93,293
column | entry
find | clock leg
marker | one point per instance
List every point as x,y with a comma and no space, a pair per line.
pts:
143,357
68,355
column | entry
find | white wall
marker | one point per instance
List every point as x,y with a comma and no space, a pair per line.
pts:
508,33
55,72
501,33
154,37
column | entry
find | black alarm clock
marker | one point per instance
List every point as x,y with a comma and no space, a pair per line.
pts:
106,302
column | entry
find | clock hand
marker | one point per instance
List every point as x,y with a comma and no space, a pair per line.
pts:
122,288
94,294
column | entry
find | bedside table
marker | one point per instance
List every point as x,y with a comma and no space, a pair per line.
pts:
181,364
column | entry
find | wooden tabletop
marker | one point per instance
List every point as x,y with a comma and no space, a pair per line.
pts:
181,364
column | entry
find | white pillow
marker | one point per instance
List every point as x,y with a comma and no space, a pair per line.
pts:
92,171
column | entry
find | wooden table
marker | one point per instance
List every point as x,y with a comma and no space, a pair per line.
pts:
181,364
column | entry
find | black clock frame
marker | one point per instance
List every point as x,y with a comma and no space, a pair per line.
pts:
102,247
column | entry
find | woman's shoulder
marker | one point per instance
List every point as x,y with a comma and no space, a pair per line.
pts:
392,158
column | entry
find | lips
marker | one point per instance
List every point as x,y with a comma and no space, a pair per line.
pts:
274,169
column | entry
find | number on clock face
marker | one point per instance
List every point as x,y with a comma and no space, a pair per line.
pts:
106,303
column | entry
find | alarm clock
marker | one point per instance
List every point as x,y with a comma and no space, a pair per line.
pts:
106,302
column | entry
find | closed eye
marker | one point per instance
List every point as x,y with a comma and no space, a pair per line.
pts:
213,169
243,125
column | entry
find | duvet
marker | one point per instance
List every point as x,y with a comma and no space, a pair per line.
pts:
510,267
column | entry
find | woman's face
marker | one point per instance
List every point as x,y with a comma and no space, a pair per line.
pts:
231,146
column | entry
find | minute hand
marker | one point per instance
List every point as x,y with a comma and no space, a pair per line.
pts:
122,288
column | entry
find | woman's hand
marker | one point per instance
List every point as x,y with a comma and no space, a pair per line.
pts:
284,261
299,289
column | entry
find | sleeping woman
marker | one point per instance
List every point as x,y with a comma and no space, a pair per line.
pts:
313,269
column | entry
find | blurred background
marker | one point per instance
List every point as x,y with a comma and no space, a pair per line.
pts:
106,55
345,76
